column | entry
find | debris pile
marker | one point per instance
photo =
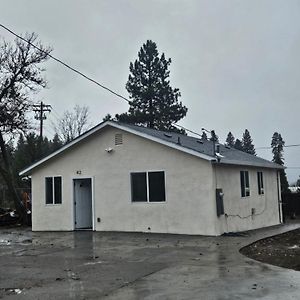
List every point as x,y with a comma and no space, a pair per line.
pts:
8,217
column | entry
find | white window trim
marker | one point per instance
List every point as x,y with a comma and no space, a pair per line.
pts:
245,188
261,189
147,186
53,191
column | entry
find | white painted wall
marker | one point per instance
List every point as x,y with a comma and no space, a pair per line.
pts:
190,192
266,206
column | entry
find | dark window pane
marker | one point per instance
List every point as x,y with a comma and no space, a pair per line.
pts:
156,186
247,183
49,190
260,183
57,190
138,187
246,179
242,184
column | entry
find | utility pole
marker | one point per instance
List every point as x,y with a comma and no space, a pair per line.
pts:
40,115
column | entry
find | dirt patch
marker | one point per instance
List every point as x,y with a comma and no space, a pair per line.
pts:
282,250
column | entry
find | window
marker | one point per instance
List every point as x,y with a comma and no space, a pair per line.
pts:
260,183
245,189
53,190
148,187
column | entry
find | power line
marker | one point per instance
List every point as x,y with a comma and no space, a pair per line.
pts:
293,167
285,146
65,64
55,115
50,132
191,131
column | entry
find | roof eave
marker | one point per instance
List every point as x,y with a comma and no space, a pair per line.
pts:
250,164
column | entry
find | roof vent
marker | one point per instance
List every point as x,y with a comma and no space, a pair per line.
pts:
118,139
167,135
199,141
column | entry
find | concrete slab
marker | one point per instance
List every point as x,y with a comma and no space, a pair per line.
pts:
95,265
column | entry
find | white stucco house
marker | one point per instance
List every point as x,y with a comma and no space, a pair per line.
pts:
120,177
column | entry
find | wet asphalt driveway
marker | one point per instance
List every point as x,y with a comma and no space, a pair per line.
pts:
95,265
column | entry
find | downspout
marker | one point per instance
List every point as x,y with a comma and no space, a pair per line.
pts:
279,198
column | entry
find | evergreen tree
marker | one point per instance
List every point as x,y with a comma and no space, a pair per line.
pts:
248,146
29,150
277,144
238,145
204,136
214,137
230,139
154,103
56,143
107,117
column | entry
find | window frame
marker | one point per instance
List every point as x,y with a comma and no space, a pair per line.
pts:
260,183
147,187
244,189
53,190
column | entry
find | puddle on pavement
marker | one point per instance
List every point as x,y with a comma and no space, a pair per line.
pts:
293,247
11,238
5,242
12,291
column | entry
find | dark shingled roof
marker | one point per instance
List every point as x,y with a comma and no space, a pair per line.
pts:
229,155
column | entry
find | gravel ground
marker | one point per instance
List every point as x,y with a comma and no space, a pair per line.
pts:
281,250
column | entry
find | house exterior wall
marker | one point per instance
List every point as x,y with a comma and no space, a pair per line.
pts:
190,195
238,208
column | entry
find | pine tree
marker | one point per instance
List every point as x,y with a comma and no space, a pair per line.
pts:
56,143
277,144
107,117
238,145
204,136
230,139
214,137
154,103
248,146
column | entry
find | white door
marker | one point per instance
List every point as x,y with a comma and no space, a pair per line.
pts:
83,203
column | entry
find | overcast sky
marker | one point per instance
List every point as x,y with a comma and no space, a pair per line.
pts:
236,63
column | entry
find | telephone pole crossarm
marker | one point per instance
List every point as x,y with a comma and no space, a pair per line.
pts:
40,114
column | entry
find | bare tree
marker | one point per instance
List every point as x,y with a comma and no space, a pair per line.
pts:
73,123
20,76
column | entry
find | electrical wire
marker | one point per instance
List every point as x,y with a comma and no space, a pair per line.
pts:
65,64
188,130
285,146
293,167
